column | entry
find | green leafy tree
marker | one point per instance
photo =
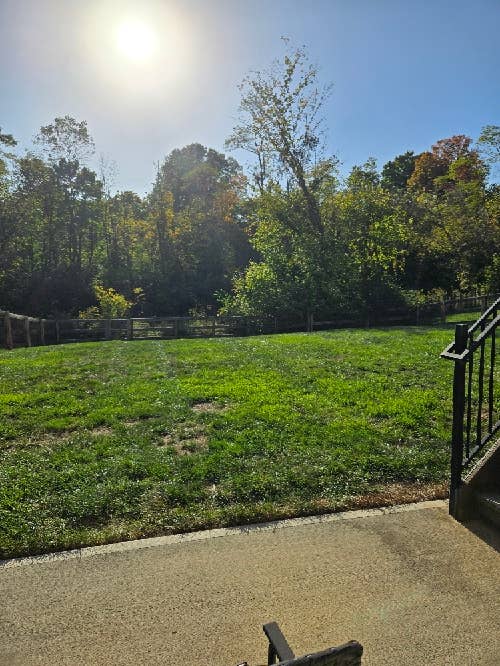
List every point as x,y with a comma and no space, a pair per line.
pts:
488,146
299,273
72,198
453,235
431,172
195,210
67,139
397,172
8,141
374,229
110,304
52,224
280,121
492,276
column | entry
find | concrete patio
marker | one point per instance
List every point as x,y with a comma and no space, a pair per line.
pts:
411,584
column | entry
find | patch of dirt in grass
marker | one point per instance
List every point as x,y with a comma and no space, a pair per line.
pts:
131,423
49,439
187,440
189,446
101,431
189,430
207,407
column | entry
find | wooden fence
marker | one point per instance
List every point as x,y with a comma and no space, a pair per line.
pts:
23,331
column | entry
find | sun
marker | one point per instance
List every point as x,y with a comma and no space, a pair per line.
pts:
135,40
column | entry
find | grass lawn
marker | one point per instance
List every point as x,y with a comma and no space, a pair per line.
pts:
117,440
463,317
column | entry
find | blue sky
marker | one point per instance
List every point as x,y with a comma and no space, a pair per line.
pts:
404,74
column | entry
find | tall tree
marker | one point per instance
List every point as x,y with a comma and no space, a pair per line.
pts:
280,120
8,141
66,138
489,147
194,207
397,172
432,167
374,228
60,202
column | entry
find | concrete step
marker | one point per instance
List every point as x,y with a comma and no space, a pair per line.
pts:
489,506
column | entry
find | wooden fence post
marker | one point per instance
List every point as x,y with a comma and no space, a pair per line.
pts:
42,331
9,343
27,331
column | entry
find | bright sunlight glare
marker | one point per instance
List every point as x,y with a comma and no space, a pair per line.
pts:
135,40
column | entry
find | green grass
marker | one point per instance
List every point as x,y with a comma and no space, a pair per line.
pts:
463,317
116,440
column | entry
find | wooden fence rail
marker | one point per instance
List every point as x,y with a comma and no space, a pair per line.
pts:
23,331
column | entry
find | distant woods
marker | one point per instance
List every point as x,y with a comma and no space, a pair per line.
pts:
62,234
287,237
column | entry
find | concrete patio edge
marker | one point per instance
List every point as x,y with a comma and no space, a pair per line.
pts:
153,542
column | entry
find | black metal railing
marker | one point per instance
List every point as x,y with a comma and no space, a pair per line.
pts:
279,652
476,419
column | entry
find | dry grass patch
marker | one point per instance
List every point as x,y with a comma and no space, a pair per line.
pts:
102,431
188,439
48,440
190,446
166,440
131,423
401,493
186,447
208,407
392,495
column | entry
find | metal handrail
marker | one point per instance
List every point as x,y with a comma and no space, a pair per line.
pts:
447,353
470,433
485,315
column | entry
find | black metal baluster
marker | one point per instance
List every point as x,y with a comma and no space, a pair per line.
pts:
278,645
469,398
480,392
457,439
492,371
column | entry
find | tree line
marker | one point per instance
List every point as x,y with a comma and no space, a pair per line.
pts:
288,237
